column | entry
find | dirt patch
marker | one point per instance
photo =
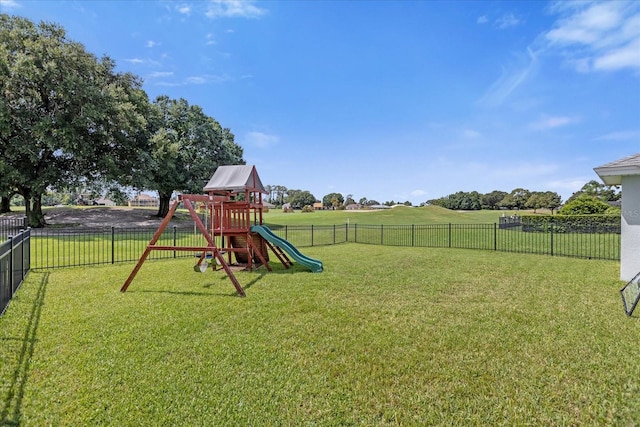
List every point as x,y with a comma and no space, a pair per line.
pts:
99,216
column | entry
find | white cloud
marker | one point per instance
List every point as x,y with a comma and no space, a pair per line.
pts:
197,80
140,61
152,43
208,78
191,80
620,136
547,123
507,20
627,56
471,134
160,74
8,4
597,36
261,140
482,19
512,78
184,9
233,9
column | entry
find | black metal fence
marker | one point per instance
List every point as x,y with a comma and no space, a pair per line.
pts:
15,262
11,226
66,247
552,242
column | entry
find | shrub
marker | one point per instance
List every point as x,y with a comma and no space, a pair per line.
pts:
584,205
571,223
307,208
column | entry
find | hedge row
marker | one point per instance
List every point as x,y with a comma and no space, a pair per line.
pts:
571,223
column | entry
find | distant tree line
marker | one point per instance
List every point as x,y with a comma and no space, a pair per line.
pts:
69,121
280,194
521,198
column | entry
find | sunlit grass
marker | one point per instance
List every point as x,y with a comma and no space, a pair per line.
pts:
396,216
385,336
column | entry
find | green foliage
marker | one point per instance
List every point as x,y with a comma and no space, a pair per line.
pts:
300,198
571,223
460,201
613,210
584,205
186,147
333,200
517,199
385,336
492,200
598,190
547,199
64,114
308,209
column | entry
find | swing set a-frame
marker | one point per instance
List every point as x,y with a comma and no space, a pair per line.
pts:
233,204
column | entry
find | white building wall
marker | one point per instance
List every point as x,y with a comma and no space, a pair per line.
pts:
630,240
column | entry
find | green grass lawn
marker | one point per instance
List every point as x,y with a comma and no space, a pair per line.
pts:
385,336
397,216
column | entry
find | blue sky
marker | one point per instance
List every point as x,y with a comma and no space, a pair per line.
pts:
388,100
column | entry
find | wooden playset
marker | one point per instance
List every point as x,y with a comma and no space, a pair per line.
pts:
232,207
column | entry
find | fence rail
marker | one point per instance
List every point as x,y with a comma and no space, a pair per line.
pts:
15,262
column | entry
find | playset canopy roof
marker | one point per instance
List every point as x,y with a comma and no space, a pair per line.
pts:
235,178
612,173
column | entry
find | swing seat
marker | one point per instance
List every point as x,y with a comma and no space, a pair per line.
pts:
201,268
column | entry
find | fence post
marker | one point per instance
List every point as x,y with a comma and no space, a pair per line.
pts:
381,234
311,234
412,235
334,234
449,234
10,238
551,237
495,236
175,241
113,245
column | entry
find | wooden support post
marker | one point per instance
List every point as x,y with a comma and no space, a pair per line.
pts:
153,241
215,251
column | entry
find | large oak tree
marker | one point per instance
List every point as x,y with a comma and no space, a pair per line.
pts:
186,147
64,114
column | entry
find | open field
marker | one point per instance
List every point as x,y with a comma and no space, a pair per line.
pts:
385,336
397,216
138,217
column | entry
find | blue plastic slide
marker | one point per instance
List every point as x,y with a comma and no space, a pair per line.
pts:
312,264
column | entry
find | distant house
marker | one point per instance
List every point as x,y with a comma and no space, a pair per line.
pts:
318,206
354,207
287,207
104,202
144,200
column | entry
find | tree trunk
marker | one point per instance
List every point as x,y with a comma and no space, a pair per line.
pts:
33,208
35,218
163,208
5,204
